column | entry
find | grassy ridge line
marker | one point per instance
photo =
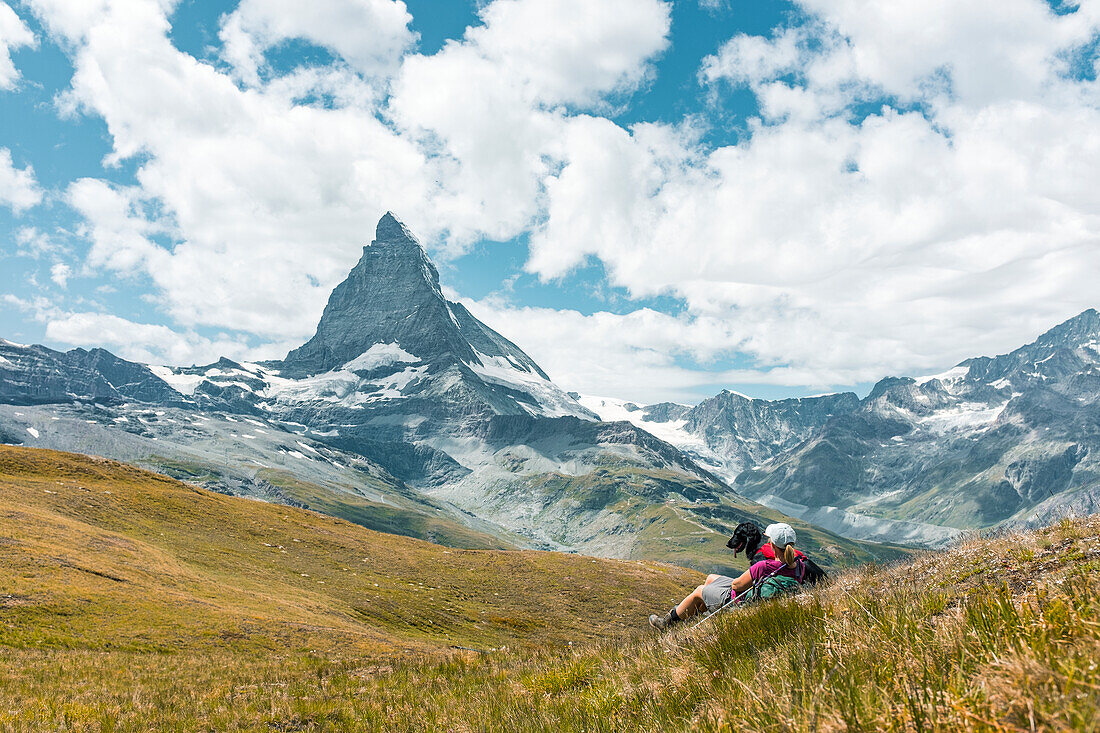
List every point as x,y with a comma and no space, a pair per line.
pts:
98,555
999,635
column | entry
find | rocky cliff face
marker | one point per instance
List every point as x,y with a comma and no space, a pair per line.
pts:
746,432
411,351
37,375
392,296
730,432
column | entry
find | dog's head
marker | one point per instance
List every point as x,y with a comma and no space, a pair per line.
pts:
747,537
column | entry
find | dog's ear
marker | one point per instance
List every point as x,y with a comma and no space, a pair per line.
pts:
754,541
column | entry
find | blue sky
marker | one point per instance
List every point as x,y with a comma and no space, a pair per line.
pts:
656,200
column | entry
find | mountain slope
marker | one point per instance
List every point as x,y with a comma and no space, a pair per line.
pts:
390,312
730,432
115,557
249,456
1013,438
613,490
37,375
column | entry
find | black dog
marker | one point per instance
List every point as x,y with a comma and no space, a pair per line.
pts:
749,538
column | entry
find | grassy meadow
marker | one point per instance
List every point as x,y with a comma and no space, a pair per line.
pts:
132,602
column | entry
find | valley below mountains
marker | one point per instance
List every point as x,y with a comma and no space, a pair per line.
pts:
405,413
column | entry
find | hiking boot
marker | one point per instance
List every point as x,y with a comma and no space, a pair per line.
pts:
660,622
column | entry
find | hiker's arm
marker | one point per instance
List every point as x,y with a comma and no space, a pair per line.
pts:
743,582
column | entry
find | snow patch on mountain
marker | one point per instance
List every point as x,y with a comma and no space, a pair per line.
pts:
951,375
968,416
381,355
393,387
613,410
673,432
183,383
505,372
343,386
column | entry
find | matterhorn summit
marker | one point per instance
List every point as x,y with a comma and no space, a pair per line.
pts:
391,296
391,303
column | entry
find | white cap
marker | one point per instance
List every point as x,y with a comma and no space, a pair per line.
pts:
780,534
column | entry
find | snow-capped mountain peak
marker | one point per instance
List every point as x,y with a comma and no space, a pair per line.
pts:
392,295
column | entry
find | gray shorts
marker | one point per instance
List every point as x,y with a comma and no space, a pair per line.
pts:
717,592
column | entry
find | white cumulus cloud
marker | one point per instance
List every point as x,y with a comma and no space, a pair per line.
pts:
143,342
490,106
117,227
18,187
645,356
572,50
370,35
14,34
30,242
855,245
60,274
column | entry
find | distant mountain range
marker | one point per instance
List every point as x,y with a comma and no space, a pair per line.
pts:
403,413
1011,439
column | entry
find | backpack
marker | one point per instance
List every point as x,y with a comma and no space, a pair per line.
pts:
775,586
812,574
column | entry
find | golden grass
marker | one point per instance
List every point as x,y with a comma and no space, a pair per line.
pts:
1000,634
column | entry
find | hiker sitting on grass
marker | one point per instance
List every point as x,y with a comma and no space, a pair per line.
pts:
747,537
767,578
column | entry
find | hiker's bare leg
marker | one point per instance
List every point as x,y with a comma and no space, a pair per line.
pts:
691,605
694,603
